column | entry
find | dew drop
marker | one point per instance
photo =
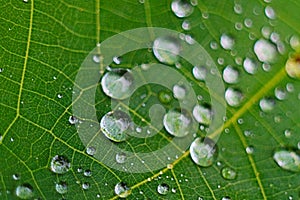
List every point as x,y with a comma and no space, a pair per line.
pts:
270,13
1,70
288,159
238,8
59,96
233,97
163,189
226,198
249,150
181,8
199,73
122,190
24,191
228,173
85,185
115,125
295,42
16,177
121,158
117,60
288,133
186,25
117,83
230,74
165,96
97,58
61,187
267,104
227,41
292,66
177,123
91,151
280,93
203,114
73,120
179,91
166,49
60,164
250,66
265,51
248,23
203,151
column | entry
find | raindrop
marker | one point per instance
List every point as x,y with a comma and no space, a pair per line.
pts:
16,177
165,96
290,87
200,73
177,123
227,41
288,133
270,13
98,196
280,93
60,164
233,97
120,158
91,151
230,74
61,187
295,42
203,151
226,198
213,45
24,191
117,83
59,96
292,66
122,190
163,189
166,49
203,114
1,70
186,25
97,58
87,173
288,159
238,8
248,23
249,150
115,125
117,60
179,91
73,120
182,8
267,104
265,51
85,185
228,173
250,66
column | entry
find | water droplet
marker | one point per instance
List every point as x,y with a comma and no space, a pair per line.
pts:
91,151
288,133
249,150
24,191
250,66
177,123
182,8
117,83
122,190
267,104
115,125
290,87
16,177
165,96
120,158
238,8
1,70
226,198
248,23
230,74
200,73
228,173
298,145
270,13
166,49
59,96
163,189
280,93
179,91
85,185
117,60
295,42
61,187
265,51
288,159
186,25
87,173
73,120
227,41
97,58
292,66
60,164
203,114
233,97
203,151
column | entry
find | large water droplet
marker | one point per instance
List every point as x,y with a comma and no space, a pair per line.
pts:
163,189
115,125
182,8
166,49
233,97
270,13
61,187
122,190
60,164
280,93
177,123
117,83
203,114
203,151
24,191
200,73
250,66
267,104
292,66
265,51
288,159
230,74
227,41
228,173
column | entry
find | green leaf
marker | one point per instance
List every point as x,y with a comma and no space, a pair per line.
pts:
42,47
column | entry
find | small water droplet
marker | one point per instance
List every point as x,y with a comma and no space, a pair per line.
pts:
203,114
267,104
238,8
181,8
295,42
248,23
292,66
16,177
179,91
115,125
270,13
85,185
163,189
177,123
203,151
98,196
122,190
233,97
165,96
59,96
227,41
117,83
228,173
166,49
288,159
230,74
265,51
200,73
121,158
73,120
24,191
61,187
288,133
117,60
226,198
250,66
186,25
1,70
97,58
280,93
60,164
87,173
91,150
249,150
